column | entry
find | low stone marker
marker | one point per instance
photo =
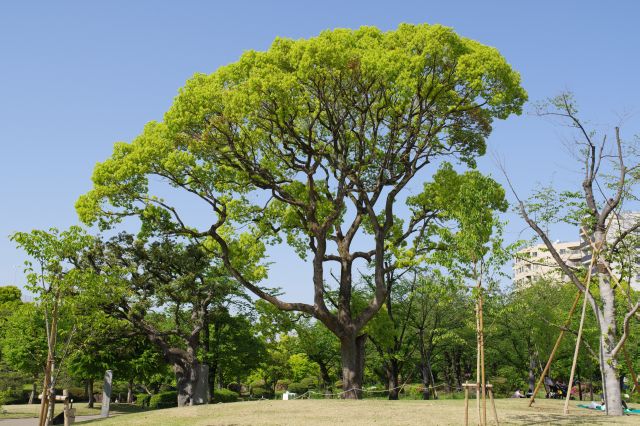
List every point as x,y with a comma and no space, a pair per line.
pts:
106,393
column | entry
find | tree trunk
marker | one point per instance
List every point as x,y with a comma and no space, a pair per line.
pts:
130,392
32,395
352,356
90,388
607,343
532,374
392,379
326,377
447,372
192,383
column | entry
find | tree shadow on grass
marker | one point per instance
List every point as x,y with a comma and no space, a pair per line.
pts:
556,419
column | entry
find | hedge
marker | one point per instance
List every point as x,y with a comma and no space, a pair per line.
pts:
166,399
224,395
142,399
260,393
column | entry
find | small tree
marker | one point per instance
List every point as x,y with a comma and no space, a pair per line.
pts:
55,281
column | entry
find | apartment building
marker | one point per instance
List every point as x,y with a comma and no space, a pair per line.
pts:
536,262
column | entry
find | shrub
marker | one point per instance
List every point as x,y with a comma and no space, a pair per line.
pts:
142,399
298,388
3,398
258,384
224,395
12,396
502,387
235,387
260,393
282,385
414,391
166,399
77,393
309,383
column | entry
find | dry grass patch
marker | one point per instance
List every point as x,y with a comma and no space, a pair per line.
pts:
367,412
26,411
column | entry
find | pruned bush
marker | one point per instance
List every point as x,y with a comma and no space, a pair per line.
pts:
235,387
258,392
257,384
298,388
309,383
142,399
224,395
282,385
166,399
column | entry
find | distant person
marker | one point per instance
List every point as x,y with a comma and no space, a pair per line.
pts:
517,394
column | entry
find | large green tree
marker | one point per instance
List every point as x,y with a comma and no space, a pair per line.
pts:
316,141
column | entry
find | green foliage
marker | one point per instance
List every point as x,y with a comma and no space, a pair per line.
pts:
10,294
298,388
23,339
414,390
165,399
142,399
301,367
224,395
260,393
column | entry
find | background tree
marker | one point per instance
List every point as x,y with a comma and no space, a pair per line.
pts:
23,342
180,278
328,133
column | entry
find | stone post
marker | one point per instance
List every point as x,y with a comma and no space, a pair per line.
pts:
106,393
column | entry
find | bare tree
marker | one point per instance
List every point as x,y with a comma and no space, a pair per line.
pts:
605,170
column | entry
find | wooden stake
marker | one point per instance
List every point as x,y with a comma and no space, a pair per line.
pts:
478,363
594,256
493,405
555,348
484,383
466,404
577,350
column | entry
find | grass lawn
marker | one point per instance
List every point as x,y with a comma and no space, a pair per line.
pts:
366,412
26,411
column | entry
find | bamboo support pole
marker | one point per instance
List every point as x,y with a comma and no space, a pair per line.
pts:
482,369
555,348
493,405
578,339
478,364
466,405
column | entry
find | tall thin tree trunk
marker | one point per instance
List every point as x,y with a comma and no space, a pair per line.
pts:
32,395
130,392
532,374
91,398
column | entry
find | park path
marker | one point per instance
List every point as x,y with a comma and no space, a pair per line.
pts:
31,421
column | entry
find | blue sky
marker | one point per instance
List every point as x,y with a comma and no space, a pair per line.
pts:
77,76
